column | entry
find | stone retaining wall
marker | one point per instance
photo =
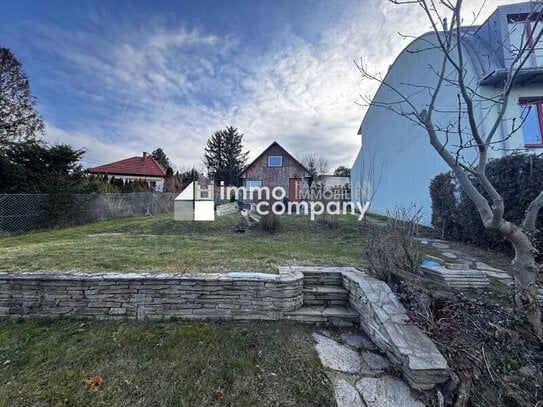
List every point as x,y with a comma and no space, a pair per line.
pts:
386,322
384,319
151,296
227,296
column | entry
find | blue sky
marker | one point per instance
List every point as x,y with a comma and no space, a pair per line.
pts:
120,77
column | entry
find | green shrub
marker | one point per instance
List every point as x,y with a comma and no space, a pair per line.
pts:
444,205
518,178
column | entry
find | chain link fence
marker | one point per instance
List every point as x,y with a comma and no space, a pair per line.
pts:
26,212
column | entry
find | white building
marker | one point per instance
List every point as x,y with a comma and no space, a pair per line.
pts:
140,168
333,181
396,156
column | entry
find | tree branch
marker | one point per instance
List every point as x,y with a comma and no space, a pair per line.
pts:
530,218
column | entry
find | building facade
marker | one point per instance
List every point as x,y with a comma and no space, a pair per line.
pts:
396,157
276,167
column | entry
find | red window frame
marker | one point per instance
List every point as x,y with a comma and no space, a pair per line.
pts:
533,59
527,19
538,103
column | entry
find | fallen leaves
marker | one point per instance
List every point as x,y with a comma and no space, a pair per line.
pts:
93,382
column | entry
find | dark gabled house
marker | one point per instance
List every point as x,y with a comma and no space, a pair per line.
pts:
276,167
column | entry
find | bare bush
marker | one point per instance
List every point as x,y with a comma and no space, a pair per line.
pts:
392,246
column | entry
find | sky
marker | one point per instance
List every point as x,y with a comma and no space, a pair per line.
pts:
117,78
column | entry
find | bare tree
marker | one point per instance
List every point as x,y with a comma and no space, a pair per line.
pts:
451,140
316,165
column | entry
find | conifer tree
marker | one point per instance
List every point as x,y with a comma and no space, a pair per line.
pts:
19,120
224,156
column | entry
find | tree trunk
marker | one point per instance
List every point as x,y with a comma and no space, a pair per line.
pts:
525,296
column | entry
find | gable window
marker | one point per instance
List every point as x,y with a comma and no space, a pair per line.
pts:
531,114
275,161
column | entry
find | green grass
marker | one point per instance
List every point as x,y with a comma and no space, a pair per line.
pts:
45,363
159,244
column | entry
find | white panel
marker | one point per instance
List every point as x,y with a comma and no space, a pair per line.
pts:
187,194
204,210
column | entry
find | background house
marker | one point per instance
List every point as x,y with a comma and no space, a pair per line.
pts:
276,167
333,181
396,156
142,168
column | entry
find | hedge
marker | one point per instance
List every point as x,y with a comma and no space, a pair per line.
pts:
518,178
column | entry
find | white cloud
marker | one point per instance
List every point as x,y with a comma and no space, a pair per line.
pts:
96,150
171,88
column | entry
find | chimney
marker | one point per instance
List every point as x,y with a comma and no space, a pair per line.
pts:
144,155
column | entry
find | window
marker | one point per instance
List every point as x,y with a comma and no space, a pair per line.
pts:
523,30
252,185
531,114
275,161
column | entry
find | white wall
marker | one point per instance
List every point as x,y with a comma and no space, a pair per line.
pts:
159,182
333,181
396,155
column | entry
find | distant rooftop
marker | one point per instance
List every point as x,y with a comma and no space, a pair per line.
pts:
144,165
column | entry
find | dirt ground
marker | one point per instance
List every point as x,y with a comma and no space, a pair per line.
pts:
494,358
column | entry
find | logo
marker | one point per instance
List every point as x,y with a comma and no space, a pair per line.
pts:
195,202
312,201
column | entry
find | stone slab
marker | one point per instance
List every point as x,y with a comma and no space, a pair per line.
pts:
372,363
385,321
449,255
357,341
440,245
346,395
485,267
386,391
335,356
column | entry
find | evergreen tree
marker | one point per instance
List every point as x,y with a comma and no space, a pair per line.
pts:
161,157
34,167
169,181
224,156
342,171
185,178
19,120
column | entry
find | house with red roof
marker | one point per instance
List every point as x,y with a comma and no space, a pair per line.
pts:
143,168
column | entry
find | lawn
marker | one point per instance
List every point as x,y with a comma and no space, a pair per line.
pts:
46,363
159,244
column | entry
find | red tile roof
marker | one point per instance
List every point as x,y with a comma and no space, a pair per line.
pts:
144,165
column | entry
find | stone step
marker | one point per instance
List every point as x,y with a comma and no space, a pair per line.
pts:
335,315
315,278
470,278
326,295
326,303
327,291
